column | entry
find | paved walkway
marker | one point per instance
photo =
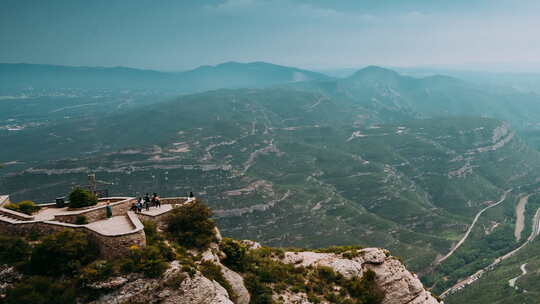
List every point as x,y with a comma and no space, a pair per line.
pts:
47,214
157,211
114,225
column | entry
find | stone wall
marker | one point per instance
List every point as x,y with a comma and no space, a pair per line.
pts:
118,246
98,213
21,228
158,219
174,200
111,246
15,214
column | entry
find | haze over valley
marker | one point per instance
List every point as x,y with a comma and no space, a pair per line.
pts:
433,155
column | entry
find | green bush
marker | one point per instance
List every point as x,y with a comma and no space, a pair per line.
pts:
147,260
96,271
365,289
259,292
213,272
328,274
154,238
151,232
62,253
191,226
81,198
13,250
41,290
348,252
235,253
12,206
27,207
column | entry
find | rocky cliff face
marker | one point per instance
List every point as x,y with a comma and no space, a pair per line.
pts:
174,286
177,285
398,284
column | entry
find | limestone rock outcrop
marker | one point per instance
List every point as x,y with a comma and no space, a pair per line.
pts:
399,285
348,268
174,287
237,285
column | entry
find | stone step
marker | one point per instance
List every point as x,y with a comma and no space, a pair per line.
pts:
8,218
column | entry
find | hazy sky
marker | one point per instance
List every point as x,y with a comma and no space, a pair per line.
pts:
182,34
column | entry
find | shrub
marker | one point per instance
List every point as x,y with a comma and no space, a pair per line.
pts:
147,260
260,293
62,253
13,250
41,290
96,271
81,220
328,274
154,238
27,207
213,272
12,206
348,252
365,289
81,198
235,254
191,226
151,232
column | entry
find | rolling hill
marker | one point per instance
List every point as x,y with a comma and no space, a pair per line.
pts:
226,75
280,164
389,96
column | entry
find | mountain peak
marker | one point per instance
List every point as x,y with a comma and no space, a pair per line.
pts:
374,70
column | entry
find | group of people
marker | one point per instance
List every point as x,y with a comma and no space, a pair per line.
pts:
146,202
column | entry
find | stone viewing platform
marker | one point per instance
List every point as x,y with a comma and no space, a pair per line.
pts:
114,235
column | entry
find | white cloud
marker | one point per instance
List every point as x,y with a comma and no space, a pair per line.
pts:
286,9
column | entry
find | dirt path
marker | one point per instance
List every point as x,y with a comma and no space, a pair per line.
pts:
503,197
520,216
512,282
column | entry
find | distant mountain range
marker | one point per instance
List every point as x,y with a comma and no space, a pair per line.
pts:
226,75
386,95
377,158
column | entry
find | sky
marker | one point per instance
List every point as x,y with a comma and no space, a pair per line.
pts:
318,34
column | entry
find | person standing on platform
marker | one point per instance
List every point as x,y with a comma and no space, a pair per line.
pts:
147,202
158,201
109,210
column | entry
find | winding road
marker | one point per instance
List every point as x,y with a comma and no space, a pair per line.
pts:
512,282
503,197
471,279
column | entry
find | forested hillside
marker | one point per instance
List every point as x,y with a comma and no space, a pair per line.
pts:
283,157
